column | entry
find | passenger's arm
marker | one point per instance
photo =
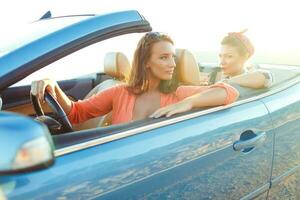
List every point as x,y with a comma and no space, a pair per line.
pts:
38,90
256,80
218,94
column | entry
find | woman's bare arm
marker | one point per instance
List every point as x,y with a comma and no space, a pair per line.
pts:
214,96
256,80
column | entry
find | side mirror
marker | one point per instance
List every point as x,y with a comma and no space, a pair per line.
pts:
0,103
27,144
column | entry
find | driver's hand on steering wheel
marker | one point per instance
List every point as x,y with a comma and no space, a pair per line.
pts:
38,88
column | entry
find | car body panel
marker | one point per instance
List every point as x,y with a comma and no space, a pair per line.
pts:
190,159
284,108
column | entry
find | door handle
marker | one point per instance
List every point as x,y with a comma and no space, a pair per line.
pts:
250,143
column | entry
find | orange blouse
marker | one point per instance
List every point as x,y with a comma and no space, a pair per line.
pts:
121,102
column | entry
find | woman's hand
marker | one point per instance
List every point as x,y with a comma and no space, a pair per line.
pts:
180,107
38,88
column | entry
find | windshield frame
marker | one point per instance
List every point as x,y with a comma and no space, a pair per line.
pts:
25,60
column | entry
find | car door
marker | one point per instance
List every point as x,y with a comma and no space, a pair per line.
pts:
284,107
225,154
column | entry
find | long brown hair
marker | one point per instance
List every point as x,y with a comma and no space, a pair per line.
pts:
138,82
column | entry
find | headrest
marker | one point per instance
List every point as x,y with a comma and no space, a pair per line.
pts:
188,70
117,65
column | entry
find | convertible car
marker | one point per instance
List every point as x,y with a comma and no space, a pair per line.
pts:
249,149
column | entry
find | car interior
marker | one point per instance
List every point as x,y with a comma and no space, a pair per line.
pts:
116,71
117,66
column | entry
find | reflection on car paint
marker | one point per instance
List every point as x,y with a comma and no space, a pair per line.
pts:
2,195
285,112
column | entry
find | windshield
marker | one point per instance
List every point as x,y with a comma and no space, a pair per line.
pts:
11,39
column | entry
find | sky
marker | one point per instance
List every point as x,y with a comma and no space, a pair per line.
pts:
195,24
200,24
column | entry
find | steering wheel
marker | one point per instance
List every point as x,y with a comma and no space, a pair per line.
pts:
55,107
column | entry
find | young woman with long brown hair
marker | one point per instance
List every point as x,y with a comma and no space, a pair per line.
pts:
150,92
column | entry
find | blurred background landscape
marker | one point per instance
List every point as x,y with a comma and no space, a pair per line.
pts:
287,58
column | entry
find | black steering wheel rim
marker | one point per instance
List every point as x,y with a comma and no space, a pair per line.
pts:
55,107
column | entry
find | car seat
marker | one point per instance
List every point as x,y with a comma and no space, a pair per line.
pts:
116,65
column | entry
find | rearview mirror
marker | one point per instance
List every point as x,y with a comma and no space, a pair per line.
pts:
27,144
212,72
